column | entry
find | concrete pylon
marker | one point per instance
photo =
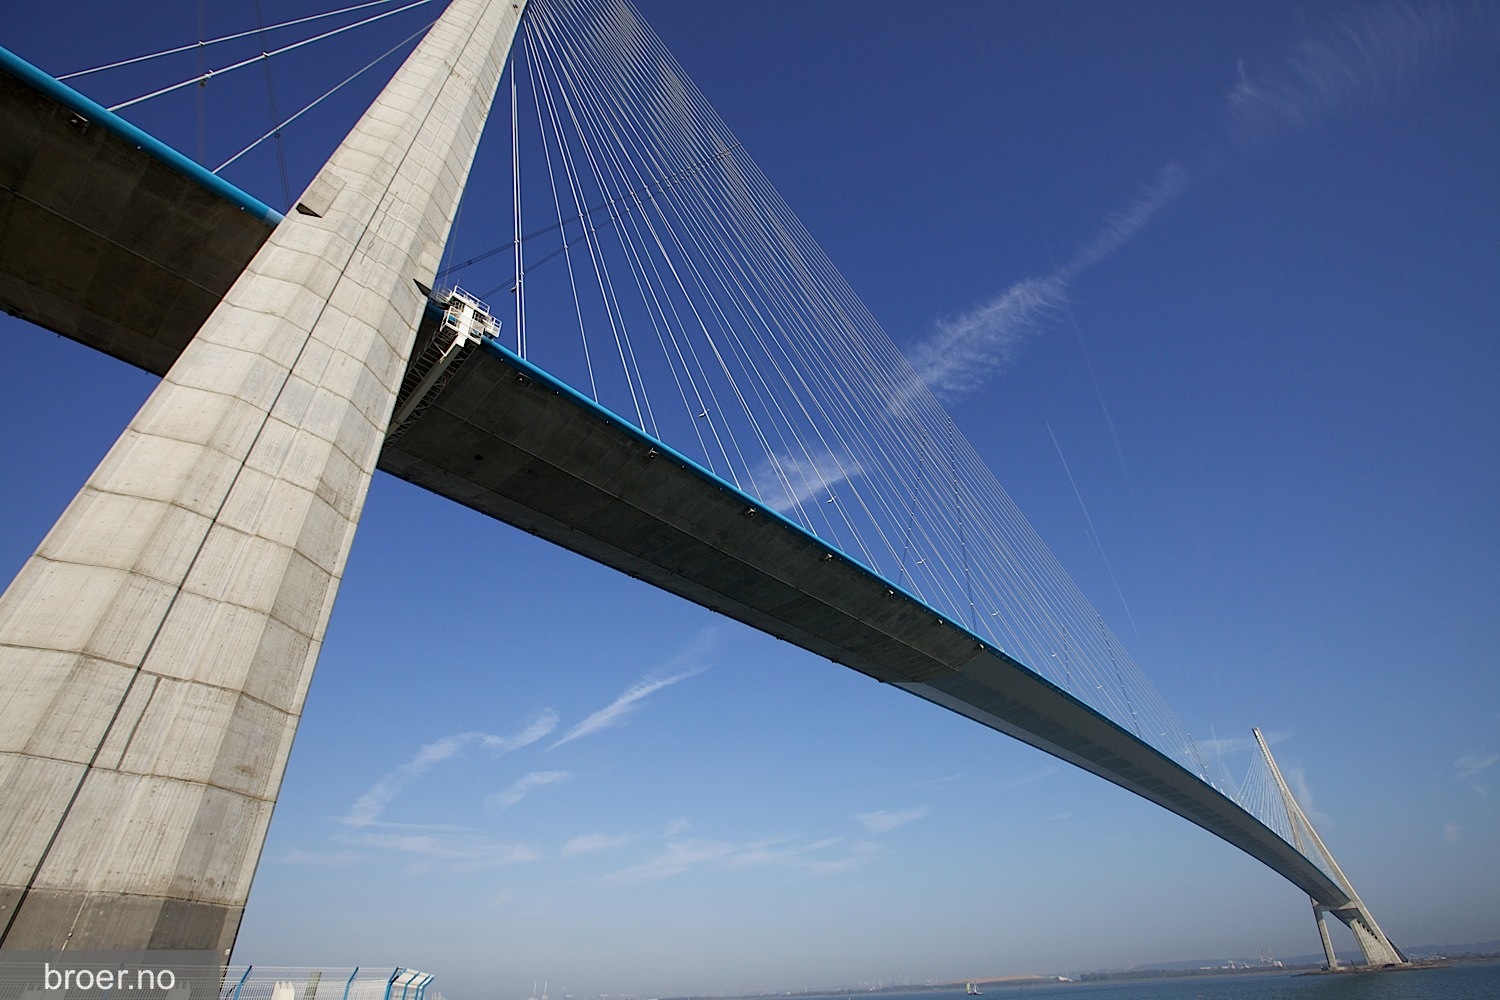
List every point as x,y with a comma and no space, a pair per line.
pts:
1377,948
1330,957
156,650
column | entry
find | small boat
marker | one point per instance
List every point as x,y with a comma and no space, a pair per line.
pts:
970,990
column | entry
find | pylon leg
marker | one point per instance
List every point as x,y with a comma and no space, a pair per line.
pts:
1328,954
156,650
1377,948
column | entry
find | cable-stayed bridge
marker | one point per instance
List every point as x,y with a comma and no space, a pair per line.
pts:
685,390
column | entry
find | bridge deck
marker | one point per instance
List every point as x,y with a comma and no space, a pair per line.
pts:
507,439
105,242
107,236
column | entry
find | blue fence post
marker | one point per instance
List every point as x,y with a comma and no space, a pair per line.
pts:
350,982
241,984
391,982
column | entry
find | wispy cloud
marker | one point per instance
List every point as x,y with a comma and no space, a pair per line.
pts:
1120,227
524,786
1472,767
686,664
674,859
798,855
1296,779
472,849
883,820
963,354
1346,65
1030,776
795,852
946,779
786,482
590,843
445,849
449,849
368,807
322,859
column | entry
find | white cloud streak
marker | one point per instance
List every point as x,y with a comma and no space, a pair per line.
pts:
590,843
1296,779
524,786
682,856
1121,227
1030,776
946,779
964,353
322,859
448,849
368,807
1472,766
884,820
786,482
1346,66
675,859
683,666
421,852
467,853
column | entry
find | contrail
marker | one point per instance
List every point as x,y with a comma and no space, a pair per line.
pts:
1343,68
686,664
963,354
1120,227
368,807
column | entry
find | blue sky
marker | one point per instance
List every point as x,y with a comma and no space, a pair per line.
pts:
1233,277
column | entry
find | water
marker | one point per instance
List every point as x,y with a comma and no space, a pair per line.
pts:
1456,982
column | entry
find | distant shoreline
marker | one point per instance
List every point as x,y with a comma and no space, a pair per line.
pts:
1124,975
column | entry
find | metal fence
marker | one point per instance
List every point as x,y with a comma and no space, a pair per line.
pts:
265,982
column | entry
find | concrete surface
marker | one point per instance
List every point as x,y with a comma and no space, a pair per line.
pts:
156,650
104,242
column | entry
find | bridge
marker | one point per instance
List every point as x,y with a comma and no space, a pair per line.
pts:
300,353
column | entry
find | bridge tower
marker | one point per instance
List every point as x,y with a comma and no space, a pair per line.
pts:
1377,948
156,650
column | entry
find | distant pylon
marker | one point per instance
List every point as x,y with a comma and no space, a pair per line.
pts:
1377,948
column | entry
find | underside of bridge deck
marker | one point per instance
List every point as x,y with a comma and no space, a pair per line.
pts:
105,243
508,440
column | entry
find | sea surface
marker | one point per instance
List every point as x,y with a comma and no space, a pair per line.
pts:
1454,982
